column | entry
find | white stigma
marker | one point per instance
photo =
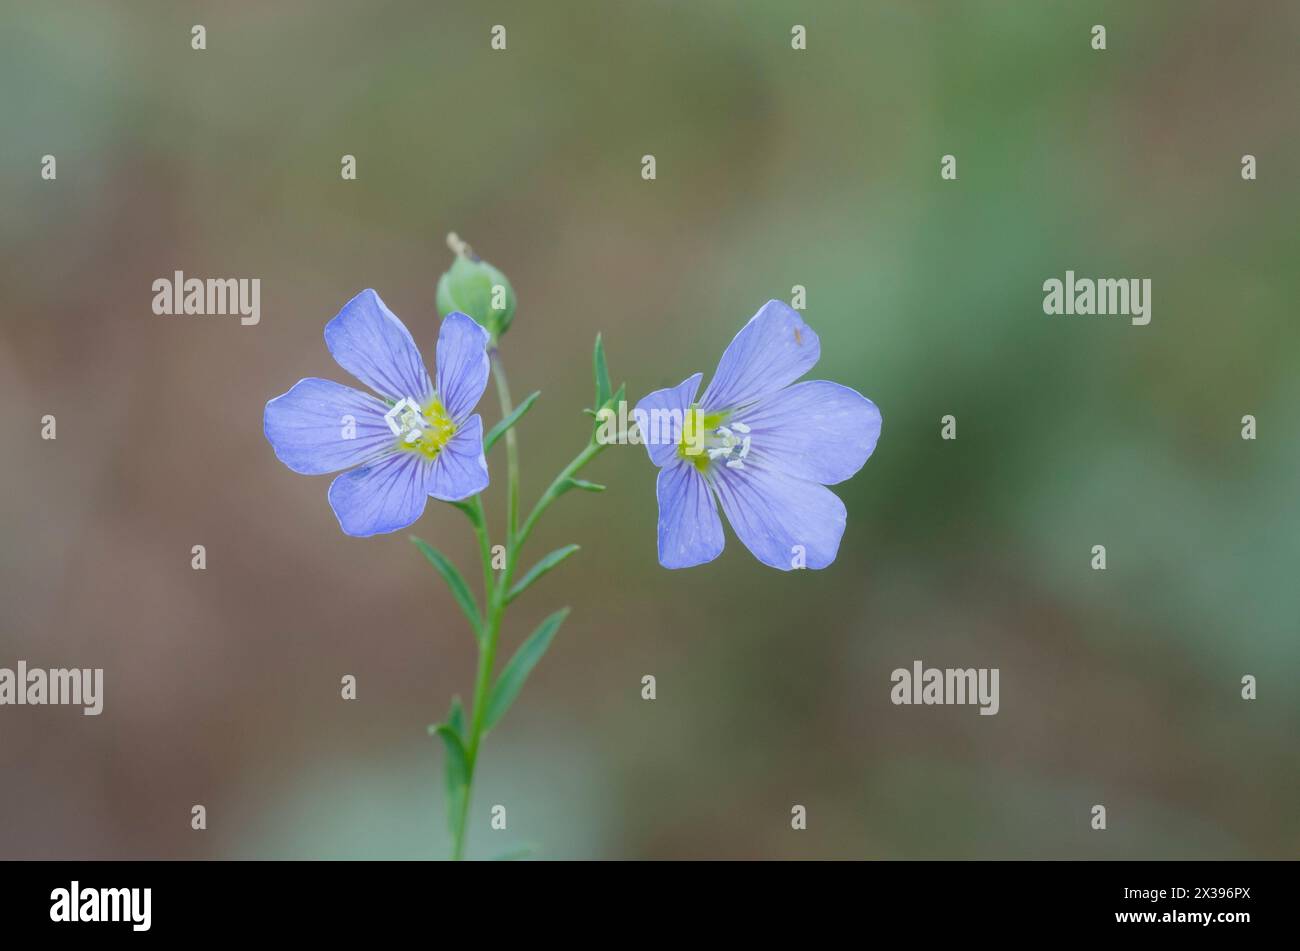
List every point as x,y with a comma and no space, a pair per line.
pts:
732,448
406,420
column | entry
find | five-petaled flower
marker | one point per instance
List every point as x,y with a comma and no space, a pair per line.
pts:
766,450
419,441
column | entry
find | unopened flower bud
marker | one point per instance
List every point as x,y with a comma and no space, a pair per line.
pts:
474,287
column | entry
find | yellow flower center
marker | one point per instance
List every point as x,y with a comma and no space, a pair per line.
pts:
420,429
705,438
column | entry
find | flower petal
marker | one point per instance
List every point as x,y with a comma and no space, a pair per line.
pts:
461,365
663,413
460,469
368,341
786,522
384,496
690,532
817,430
773,350
321,426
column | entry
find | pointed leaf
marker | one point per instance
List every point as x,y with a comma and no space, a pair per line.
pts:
499,430
610,406
456,768
539,569
582,484
603,388
616,397
521,665
456,718
459,589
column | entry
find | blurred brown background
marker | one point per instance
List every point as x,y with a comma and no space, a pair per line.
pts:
775,168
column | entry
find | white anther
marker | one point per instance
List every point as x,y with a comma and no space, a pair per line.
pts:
406,420
729,447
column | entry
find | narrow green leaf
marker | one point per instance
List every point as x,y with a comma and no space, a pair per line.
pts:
456,718
521,665
616,397
539,569
456,768
609,406
582,484
499,430
603,388
459,589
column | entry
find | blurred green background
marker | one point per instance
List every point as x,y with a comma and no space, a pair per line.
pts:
775,168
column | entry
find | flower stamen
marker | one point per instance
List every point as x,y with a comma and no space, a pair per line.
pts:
425,430
727,444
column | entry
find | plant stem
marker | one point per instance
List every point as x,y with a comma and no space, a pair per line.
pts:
486,658
485,554
496,589
512,449
553,492
494,600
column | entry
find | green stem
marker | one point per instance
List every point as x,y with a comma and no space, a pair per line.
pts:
494,600
512,448
495,589
485,553
553,492
483,681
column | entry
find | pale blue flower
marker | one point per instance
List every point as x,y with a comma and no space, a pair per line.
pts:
419,440
762,447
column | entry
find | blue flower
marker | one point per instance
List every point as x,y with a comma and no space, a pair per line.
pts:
419,440
764,448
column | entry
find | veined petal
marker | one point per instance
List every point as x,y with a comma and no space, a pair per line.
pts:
460,469
786,522
690,532
773,350
816,430
321,426
461,364
661,416
384,496
368,341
